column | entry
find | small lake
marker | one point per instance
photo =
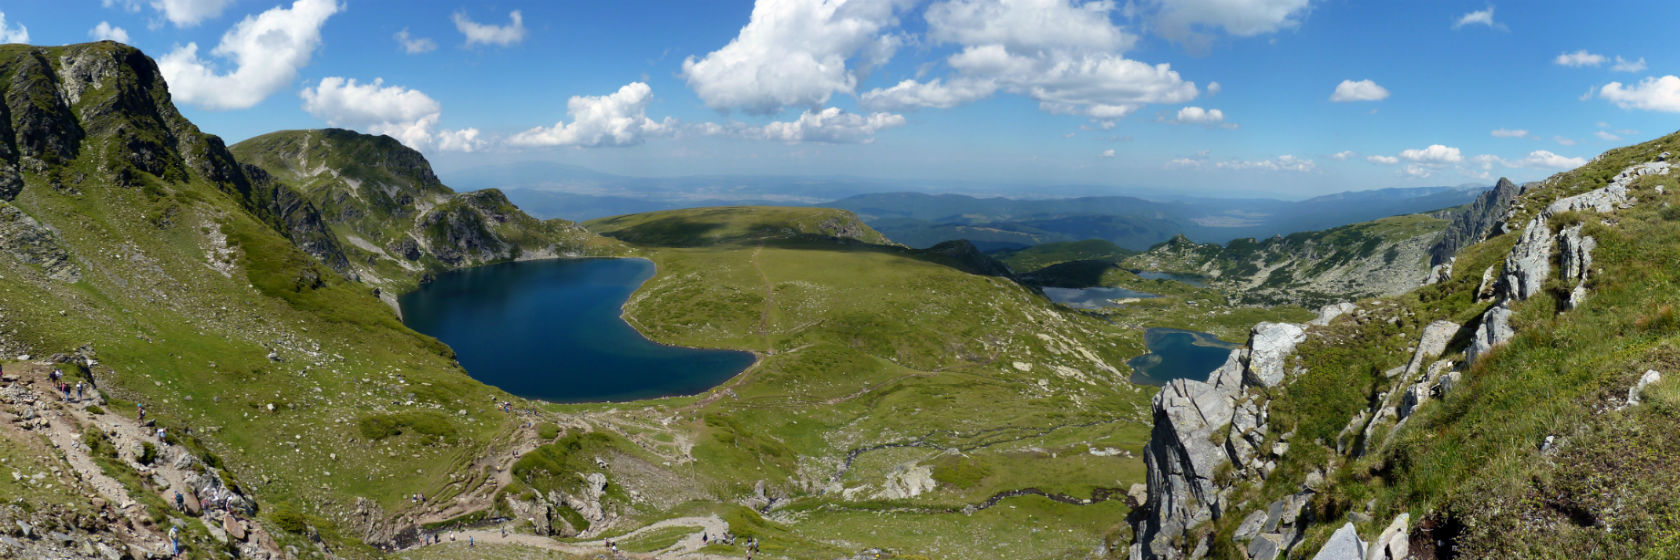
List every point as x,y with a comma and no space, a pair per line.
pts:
1178,354
552,330
1196,281
1092,298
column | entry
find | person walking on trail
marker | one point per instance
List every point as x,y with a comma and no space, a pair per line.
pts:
79,387
470,542
180,501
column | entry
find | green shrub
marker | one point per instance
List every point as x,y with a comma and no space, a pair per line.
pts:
426,422
547,432
148,453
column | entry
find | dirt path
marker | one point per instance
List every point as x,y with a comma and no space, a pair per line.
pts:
688,547
63,423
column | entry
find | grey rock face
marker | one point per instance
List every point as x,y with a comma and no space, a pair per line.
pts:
1344,544
1485,289
1529,262
24,239
1431,343
1392,544
1494,331
1270,344
1440,273
1477,221
1181,460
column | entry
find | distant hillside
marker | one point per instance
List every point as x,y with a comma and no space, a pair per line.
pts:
1132,223
698,227
1040,256
395,220
1380,257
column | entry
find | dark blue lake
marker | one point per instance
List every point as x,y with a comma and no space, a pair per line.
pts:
1178,354
552,330
1092,298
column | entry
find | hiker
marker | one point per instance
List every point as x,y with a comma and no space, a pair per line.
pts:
161,435
79,387
180,501
470,542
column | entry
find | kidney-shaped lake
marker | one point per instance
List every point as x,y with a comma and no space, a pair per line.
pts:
552,330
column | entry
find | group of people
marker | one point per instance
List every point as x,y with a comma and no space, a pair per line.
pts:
64,387
728,539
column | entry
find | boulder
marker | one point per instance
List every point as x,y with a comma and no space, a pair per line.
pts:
1431,344
1440,273
1577,249
1412,399
234,527
1493,331
1330,312
1270,344
1485,290
1651,376
1344,544
1393,543
1449,381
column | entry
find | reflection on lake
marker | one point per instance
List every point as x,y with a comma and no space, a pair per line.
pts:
1092,298
1178,354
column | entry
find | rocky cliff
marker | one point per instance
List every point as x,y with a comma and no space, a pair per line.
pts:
1482,218
397,222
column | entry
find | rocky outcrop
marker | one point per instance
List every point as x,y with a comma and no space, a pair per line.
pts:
1344,544
1650,377
1440,273
1478,221
1330,312
1393,543
1494,330
1206,429
27,241
1575,263
1529,263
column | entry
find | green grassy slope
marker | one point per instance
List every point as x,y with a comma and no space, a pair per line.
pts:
187,282
1039,256
1475,466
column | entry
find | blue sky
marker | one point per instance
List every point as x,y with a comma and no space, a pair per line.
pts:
1311,96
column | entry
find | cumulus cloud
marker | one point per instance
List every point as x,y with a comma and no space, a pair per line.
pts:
1213,88
414,45
1198,115
1650,94
1435,154
830,125
1417,171
1479,17
1547,160
911,94
1578,59
1108,153
1625,65
187,13
1362,90
1182,20
795,53
487,34
1606,136
1386,160
1343,155
9,34
266,50
405,114
130,6
616,119
107,32
1061,54
1509,133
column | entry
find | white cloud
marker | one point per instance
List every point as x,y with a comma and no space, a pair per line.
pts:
1213,88
1343,155
830,125
1435,154
487,34
1184,19
1606,136
187,13
1061,54
1416,170
1578,59
414,45
405,114
910,94
1547,160
130,6
1198,115
107,32
1284,162
267,50
20,34
1479,17
1651,94
794,53
1362,90
1563,141
1509,133
1108,153
1386,160
1625,65
616,119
